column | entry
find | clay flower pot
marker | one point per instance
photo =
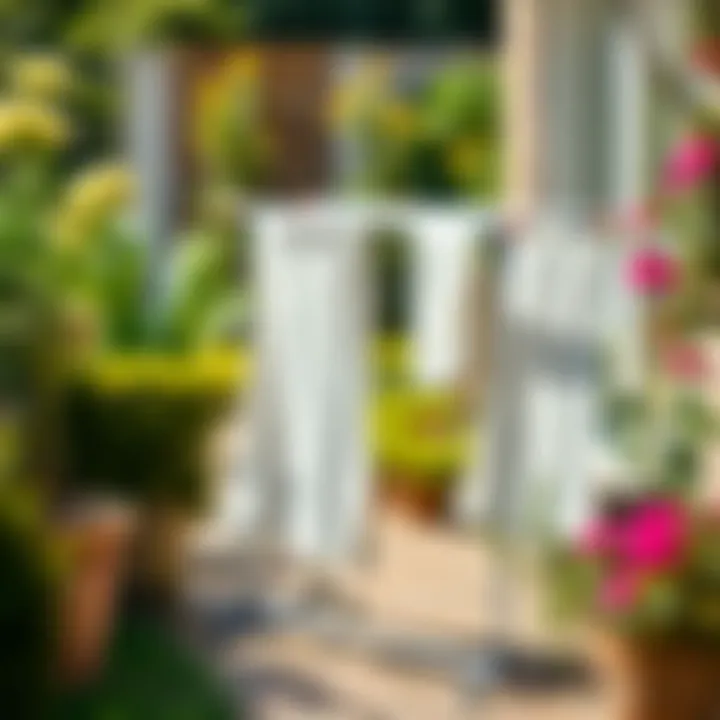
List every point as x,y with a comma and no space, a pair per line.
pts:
98,536
668,680
418,500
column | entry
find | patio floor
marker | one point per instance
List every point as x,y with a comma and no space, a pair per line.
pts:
421,580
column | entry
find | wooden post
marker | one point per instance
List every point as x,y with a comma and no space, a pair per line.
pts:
522,70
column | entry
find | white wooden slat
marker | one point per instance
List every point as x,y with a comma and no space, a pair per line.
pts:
311,466
443,247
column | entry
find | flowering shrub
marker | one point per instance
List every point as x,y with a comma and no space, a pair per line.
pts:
691,163
653,271
45,77
648,564
647,561
684,203
28,125
92,200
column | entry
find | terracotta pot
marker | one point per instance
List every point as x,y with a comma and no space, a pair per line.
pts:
98,537
668,680
160,553
412,498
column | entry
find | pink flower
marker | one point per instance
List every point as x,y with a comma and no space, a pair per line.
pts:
653,271
691,163
655,537
620,591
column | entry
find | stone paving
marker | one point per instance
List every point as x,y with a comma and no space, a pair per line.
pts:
420,579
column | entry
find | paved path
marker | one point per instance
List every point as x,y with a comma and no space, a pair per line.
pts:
421,580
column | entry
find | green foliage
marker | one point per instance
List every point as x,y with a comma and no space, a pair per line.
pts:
149,676
663,434
90,23
391,266
138,427
707,18
106,25
191,305
439,140
28,571
117,265
197,298
421,434
571,583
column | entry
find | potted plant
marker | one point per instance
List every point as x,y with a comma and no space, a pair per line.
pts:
421,443
35,142
647,568
159,364
138,426
430,137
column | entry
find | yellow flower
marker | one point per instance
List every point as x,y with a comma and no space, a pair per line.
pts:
464,159
102,188
26,124
93,198
45,77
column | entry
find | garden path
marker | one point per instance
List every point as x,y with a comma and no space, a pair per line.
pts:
422,579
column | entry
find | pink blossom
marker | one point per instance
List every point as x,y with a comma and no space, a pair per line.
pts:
691,163
655,537
653,271
620,591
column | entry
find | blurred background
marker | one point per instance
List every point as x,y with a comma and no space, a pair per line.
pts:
395,316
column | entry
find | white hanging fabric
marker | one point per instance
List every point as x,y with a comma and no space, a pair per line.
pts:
443,247
309,468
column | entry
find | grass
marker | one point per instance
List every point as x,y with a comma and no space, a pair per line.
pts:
149,676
